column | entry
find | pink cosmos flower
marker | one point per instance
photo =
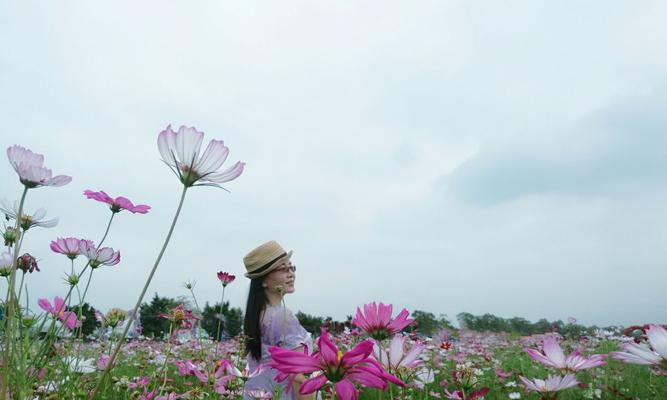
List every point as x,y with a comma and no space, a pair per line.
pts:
376,320
551,384
101,256
118,204
474,394
342,370
71,247
259,394
226,278
552,356
31,170
642,353
27,220
396,356
67,317
181,151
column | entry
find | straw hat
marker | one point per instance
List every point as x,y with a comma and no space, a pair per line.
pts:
264,259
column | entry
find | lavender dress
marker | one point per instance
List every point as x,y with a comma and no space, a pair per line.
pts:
279,327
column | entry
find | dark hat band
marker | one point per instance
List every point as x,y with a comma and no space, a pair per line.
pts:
267,265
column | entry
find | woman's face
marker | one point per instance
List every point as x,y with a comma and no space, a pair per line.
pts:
283,276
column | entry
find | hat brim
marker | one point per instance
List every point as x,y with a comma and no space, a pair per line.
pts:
270,269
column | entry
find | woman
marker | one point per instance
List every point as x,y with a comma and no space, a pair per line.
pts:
267,321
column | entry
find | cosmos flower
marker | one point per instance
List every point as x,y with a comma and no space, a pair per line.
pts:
27,220
117,204
343,370
181,151
552,356
30,168
377,323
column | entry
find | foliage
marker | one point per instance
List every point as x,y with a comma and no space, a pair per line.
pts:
232,321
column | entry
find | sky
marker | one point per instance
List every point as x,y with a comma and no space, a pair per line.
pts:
445,156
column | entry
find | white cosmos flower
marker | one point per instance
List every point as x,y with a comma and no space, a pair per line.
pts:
181,151
27,220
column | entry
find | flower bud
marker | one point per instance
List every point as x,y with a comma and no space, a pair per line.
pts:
11,235
72,279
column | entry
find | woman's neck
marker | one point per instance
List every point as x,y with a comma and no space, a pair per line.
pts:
273,297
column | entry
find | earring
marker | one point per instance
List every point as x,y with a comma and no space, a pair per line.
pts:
265,285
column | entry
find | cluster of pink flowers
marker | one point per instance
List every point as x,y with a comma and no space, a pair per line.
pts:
73,247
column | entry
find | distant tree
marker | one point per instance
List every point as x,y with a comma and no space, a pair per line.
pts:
89,323
232,319
152,324
311,323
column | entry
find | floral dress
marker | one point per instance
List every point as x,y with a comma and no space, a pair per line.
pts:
279,327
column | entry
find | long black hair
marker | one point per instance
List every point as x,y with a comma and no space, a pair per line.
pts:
253,312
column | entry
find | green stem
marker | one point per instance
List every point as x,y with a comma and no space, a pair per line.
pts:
217,336
9,315
141,296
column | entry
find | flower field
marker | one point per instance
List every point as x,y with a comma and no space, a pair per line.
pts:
45,354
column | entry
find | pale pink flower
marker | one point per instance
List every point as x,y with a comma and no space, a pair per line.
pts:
117,204
244,375
71,247
642,353
396,356
27,220
552,356
101,256
226,278
376,320
551,384
181,151
31,170
59,310
102,362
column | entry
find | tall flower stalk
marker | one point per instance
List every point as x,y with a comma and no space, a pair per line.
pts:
180,150
32,174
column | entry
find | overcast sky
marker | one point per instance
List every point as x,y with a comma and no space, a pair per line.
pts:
448,156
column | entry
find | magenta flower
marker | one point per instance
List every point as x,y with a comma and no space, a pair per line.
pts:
376,320
118,204
71,247
181,151
396,356
642,353
27,220
551,385
31,170
474,394
67,317
101,256
342,370
552,356
226,278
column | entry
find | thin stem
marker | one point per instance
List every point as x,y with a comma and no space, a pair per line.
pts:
217,335
143,292
9,315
